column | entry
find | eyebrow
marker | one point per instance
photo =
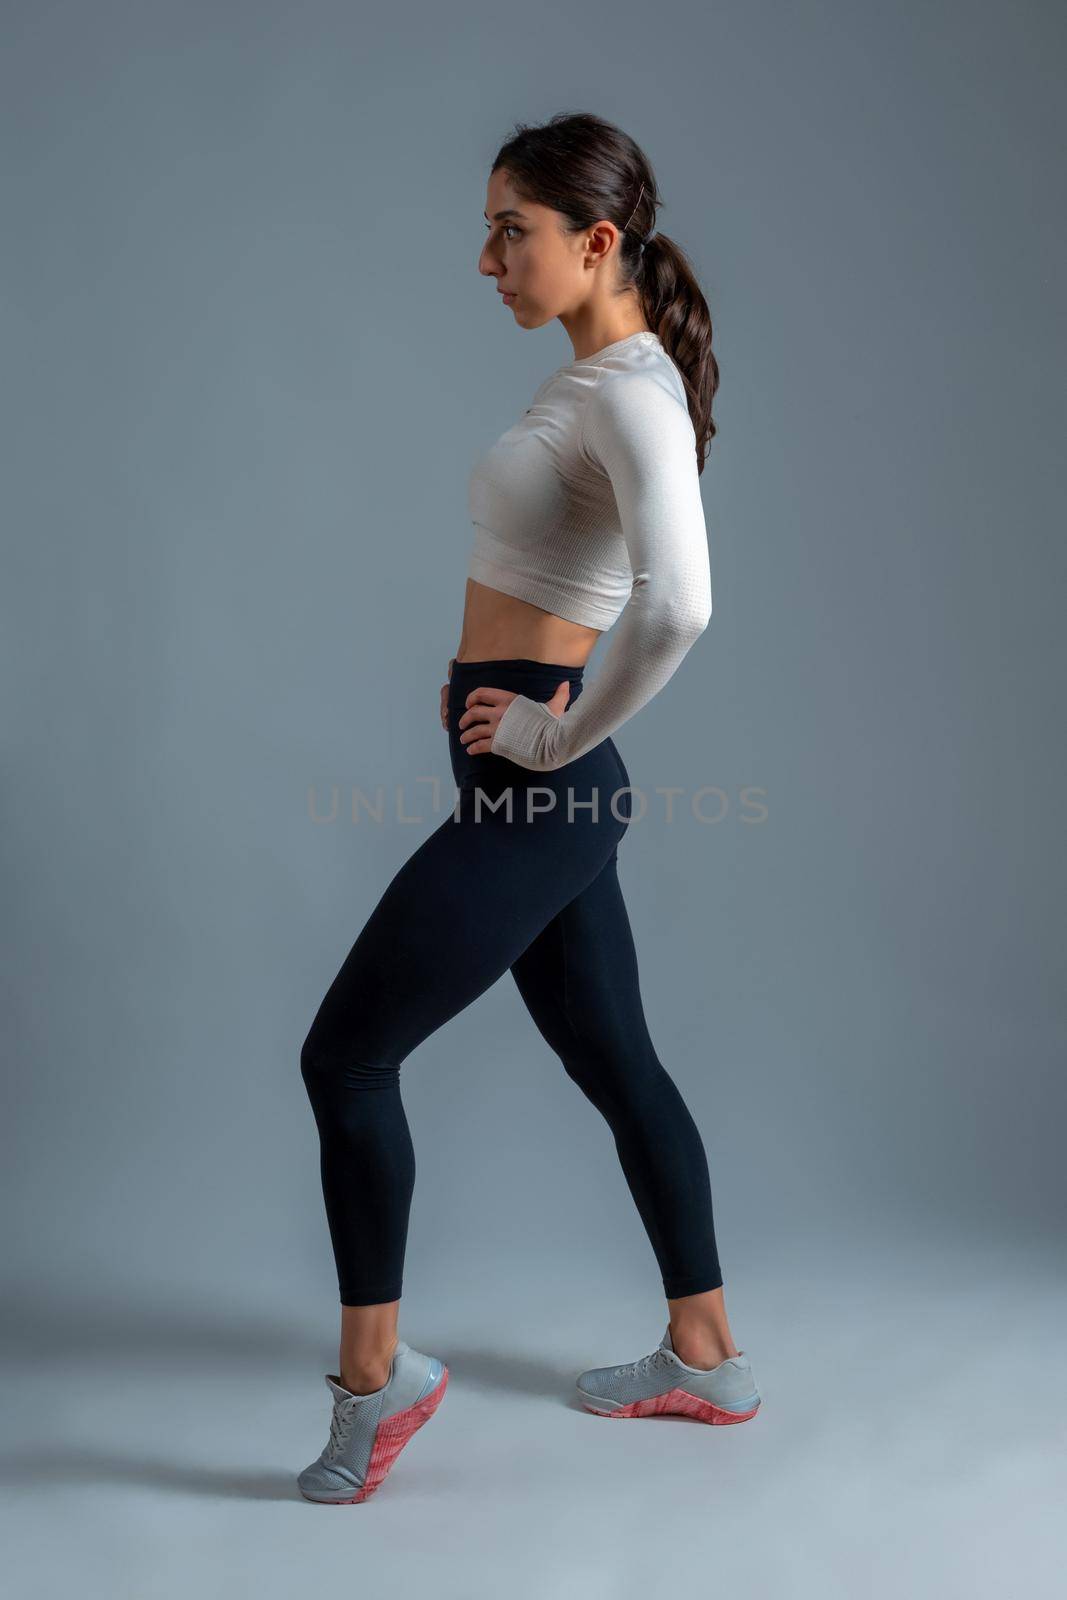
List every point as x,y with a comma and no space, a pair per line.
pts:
498,216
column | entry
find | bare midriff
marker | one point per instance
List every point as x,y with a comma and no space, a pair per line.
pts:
498,627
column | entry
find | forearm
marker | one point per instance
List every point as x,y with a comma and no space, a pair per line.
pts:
645,651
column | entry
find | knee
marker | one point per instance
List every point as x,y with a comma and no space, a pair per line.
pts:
590,1069
312,1059
617,1075
326,1060
322,1058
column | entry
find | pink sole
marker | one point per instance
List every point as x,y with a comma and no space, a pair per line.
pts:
391,1437
676,1403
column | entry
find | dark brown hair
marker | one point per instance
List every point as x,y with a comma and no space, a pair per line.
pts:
587,169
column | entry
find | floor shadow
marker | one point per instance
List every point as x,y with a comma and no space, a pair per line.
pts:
24,1470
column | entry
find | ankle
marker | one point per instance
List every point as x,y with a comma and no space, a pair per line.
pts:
364,1382
702,1350
366,1372
704,1360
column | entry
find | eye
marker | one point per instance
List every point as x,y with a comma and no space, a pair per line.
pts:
509,227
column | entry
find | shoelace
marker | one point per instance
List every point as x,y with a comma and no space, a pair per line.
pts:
340,1424
655,1358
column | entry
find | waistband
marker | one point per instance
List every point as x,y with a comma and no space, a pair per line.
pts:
502,672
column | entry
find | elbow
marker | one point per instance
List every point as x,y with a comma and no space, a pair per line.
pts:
678,613
690,622
691,611
703,606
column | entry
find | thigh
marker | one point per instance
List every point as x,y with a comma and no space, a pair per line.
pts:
454,918
579,978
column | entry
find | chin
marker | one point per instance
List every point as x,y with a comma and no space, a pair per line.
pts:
532,319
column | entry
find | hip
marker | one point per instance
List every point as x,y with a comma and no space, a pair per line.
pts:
600,769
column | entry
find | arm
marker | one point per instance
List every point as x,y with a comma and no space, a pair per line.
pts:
643,439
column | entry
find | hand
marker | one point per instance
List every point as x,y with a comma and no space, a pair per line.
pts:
485,707
444,695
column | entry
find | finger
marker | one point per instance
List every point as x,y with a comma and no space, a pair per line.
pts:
476,731
489,696
478,714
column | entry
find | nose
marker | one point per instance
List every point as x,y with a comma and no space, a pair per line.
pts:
487,265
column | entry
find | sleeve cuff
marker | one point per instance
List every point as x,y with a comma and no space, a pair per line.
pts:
528,734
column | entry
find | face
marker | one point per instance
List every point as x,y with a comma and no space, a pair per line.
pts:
549,272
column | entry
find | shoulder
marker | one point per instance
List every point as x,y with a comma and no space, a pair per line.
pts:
655,387
640,401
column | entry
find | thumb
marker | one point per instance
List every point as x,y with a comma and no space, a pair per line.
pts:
566,687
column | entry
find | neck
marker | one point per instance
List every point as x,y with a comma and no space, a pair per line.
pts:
592,328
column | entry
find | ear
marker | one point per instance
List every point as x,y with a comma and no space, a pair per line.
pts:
602,237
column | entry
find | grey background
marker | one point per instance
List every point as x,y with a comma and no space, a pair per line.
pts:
249,362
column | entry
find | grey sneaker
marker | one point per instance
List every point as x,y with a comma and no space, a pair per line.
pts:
368,1431
660,1384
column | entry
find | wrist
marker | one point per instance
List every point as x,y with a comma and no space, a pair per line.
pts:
529,735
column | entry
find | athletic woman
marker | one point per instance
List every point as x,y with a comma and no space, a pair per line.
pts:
586,513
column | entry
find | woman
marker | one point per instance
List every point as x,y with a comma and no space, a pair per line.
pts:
586,510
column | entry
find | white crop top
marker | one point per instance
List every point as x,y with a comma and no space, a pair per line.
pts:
590,508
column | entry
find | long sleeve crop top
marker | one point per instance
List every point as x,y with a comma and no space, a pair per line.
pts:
590,508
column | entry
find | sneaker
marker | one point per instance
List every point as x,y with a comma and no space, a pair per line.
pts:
368,1431
660,1384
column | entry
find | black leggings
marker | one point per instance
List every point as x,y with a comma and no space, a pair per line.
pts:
536,893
